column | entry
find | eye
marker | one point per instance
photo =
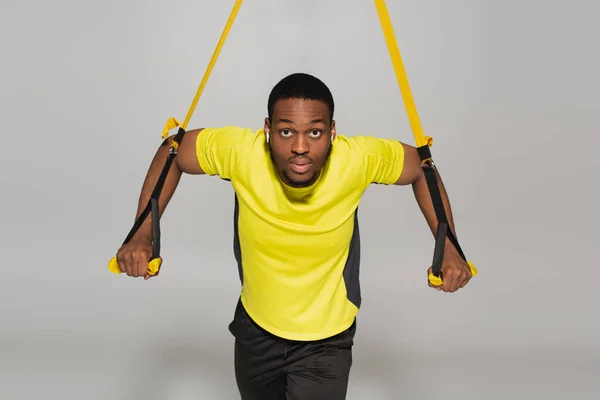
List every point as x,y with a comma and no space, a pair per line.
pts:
285,132
315,133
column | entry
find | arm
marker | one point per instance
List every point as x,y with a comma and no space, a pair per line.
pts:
412,174
184,162
455,269
208,151
390,162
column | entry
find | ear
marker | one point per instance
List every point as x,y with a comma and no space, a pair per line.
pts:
333,131
267,124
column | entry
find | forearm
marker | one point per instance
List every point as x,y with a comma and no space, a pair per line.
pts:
170,184
423,197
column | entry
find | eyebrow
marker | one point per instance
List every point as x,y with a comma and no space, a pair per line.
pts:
289,121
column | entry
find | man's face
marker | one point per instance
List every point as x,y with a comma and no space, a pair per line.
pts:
300,138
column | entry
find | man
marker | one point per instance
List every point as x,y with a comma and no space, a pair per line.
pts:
298,186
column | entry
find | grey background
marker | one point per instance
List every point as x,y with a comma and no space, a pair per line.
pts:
508,90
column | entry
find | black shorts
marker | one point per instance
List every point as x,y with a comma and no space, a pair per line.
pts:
268,367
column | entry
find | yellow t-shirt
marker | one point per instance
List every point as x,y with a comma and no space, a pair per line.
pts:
298,250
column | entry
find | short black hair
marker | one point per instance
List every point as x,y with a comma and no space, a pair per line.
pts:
300,86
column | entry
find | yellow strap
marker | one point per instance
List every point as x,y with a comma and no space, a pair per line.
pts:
411,110
172,122
393,49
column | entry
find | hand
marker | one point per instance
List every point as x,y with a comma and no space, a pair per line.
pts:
133,258
456,272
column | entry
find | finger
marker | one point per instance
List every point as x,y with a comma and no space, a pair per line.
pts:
449,282
132,265
120,262
122,266
141,265
148,276
466,280
461,275
127,261
458,279
466,275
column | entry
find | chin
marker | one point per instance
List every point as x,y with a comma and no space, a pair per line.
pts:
300,180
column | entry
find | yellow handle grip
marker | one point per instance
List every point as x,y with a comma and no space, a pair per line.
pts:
436,281
153,266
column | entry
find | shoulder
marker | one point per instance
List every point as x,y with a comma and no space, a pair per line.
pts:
379,160
367,146
229,141
225,137
228,150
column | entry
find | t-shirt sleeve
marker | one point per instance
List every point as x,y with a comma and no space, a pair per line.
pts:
218,149
383,159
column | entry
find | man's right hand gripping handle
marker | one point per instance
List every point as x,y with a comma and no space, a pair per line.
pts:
132,259
140,253
153,266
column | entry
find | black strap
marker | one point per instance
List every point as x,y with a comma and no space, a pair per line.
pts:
152,205
443,228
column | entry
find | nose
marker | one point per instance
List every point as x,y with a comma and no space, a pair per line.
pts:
300,145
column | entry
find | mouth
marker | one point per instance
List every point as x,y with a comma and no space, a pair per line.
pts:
300,167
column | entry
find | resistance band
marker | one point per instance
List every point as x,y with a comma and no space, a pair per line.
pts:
423,146
152,206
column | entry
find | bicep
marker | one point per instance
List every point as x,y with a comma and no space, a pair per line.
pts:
411,170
